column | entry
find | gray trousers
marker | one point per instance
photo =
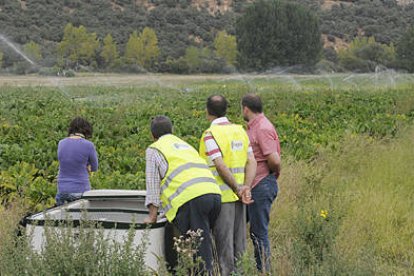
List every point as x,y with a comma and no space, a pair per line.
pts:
230,235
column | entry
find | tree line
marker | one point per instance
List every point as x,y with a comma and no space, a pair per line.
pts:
80,50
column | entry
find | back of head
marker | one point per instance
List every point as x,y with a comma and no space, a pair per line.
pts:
252,102
80,125
160,126
217,106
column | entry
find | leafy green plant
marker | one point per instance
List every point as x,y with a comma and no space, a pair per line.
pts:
33,120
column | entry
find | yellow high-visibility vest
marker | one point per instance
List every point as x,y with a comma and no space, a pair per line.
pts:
187,177
233,143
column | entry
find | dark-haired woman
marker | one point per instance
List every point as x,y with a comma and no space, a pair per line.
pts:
77,158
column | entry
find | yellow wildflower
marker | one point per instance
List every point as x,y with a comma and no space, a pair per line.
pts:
324,214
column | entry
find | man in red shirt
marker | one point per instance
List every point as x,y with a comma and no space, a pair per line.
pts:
266,148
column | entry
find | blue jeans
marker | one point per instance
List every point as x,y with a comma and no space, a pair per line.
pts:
62,198
263,195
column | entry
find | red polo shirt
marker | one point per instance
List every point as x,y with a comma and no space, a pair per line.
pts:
264,141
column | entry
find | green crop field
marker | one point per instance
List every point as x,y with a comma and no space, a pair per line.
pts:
346,191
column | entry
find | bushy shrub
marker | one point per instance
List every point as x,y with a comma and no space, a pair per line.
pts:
23,68
131,68
68,73
50,71
365,54
327,66
330,54
203,60
178,66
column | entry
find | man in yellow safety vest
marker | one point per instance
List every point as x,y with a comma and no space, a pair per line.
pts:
180,183
226,148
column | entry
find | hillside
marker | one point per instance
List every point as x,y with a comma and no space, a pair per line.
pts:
177,25
386,20
183,23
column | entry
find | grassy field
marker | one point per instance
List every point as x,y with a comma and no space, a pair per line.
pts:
346,193
381,80
366,190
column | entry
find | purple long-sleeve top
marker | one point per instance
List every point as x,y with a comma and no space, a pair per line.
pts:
74,156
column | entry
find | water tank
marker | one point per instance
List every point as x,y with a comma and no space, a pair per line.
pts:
115,211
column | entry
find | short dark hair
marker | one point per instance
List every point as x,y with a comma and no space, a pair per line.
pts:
217,105
161,125
253,102
82,126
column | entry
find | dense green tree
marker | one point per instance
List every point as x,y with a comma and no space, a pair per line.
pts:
226,47
143,49
365,54
274,33
132,49
405,51
109,51
303,35
33,50
78,47
149,49
193,58
202,60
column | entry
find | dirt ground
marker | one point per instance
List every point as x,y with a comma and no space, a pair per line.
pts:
108,79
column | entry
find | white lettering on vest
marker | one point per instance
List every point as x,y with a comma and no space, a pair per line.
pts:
236,145
181,146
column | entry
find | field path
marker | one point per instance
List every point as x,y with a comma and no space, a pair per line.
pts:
334,81
112,79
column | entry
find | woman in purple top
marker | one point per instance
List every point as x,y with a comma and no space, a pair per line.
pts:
77,158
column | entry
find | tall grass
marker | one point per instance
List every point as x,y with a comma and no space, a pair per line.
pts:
9,221
84,250
349,211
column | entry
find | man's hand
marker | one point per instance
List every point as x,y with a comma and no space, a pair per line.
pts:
273,161
152,216
244,193
150,219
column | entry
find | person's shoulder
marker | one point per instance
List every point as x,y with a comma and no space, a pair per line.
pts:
235,125
63,141
150,150
207,132
240,128
266,125
88,143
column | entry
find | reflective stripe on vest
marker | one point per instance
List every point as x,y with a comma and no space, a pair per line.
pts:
232,170
233,143
224,188
180,169
187,177
186,185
